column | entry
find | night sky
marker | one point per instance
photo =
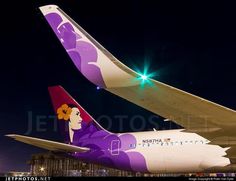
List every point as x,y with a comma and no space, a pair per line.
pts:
191,46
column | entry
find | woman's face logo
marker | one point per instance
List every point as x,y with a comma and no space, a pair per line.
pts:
71,114
75,119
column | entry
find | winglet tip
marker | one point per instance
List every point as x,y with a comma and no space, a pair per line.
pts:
10,135
48,8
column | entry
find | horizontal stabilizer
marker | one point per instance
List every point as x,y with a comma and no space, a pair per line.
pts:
47,144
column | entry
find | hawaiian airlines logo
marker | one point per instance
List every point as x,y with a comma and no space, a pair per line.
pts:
72,115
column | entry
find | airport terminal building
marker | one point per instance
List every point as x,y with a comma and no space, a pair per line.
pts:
50,164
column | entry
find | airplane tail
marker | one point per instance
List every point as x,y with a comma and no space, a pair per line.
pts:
97,64
74,122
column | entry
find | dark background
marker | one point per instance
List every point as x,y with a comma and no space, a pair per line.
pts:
190,45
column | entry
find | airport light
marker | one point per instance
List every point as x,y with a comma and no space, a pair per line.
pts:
41,169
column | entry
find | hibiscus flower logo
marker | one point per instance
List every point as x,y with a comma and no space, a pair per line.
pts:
64,112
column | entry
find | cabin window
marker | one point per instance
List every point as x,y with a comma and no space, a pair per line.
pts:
132,145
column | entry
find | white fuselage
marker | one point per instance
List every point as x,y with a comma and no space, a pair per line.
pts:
177,151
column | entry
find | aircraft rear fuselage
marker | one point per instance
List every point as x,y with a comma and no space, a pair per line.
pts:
154,151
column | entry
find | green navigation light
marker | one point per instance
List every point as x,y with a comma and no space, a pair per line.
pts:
144,77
